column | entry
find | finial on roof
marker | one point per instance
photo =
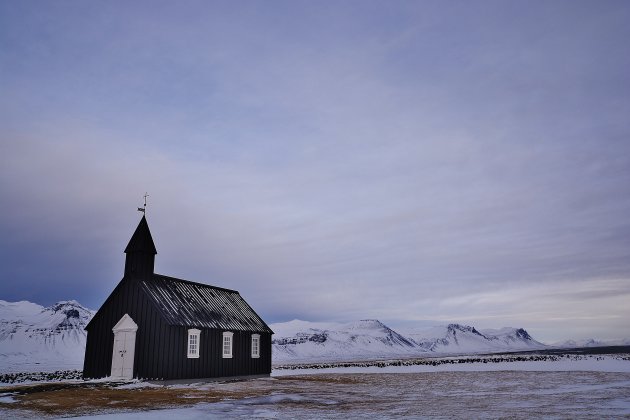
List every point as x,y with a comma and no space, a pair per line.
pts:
144,209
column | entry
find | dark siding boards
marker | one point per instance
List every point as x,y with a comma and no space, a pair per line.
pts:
211,363
126,298
161,349
169,359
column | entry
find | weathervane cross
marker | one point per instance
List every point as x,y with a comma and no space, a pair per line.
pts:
144,209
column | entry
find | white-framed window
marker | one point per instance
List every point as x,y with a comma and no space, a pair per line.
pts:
227,344
193,343
255,346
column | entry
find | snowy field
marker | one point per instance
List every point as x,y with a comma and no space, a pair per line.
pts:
586,386
515,394
473,363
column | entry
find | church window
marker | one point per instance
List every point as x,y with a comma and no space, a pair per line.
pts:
255,346
227,344
193,343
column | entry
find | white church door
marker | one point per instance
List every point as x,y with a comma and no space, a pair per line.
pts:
124,348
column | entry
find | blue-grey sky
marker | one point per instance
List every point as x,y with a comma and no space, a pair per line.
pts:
332,160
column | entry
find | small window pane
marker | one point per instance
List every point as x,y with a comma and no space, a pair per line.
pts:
227,345
255,345
193,343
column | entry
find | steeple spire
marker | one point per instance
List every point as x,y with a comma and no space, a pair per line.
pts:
141,252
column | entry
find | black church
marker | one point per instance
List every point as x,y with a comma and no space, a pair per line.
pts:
157,327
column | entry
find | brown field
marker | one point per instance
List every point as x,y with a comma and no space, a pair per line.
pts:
82,399
515,394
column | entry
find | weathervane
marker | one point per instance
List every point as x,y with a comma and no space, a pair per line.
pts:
144,209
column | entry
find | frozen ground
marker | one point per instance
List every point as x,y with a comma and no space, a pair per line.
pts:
591,387
514,394
522,362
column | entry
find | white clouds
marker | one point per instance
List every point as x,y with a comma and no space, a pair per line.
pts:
338,163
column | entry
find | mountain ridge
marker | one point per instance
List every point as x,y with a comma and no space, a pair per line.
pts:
33,336
299,340
38,338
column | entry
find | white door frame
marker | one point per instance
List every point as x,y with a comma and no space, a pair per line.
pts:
124,348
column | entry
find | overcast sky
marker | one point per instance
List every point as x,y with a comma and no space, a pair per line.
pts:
332,160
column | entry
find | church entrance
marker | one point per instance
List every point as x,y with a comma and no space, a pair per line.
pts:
124,348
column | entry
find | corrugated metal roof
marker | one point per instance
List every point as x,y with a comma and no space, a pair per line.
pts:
190,304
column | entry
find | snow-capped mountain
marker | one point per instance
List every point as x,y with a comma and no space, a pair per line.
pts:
303,341
456,338
300,341
33,337
591,342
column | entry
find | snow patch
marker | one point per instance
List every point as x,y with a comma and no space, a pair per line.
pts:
7,399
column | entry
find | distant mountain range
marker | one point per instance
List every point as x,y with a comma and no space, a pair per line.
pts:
591,342
37,338
302,341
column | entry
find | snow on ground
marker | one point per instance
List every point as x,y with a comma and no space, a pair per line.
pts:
199,411
511,394
595,386
564,364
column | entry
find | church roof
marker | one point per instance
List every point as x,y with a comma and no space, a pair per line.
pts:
141,240
185,303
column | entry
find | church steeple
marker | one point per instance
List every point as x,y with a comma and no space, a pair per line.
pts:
141,252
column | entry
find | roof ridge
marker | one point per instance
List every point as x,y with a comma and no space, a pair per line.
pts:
195,283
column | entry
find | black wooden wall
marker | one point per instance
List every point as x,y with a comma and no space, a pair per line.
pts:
161,349
211,363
